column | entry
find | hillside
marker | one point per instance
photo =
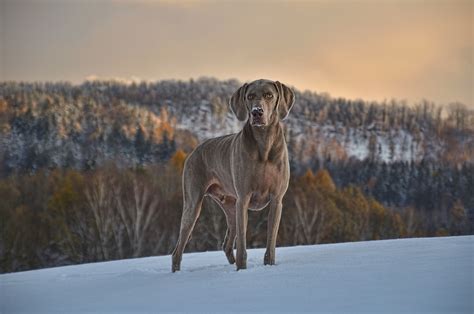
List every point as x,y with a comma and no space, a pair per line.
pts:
394,276
82,126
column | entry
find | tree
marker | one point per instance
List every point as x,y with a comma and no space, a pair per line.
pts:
137,207
457,218
100,201
67,214
177,160
323,180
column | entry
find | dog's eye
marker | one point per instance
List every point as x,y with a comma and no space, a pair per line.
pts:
269,96
251,96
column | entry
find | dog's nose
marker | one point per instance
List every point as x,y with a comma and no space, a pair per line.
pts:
257,111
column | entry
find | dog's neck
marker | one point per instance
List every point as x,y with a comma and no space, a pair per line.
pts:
269,140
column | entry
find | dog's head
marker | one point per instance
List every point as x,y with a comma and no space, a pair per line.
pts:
263,102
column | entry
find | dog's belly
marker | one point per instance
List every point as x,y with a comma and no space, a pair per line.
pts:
258,201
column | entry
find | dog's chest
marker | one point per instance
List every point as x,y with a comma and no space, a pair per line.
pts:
265,182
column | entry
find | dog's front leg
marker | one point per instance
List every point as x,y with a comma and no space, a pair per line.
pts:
272,231
241,220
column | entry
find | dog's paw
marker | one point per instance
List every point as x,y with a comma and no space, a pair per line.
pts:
269,259
175,267
175,263
241,263
241,260
241,266
230,258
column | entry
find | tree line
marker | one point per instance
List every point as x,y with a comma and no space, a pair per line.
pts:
60,217
49,125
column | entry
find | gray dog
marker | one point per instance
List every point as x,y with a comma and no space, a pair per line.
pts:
247,170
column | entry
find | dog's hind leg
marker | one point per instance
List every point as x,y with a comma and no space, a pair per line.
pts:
191,210
227,204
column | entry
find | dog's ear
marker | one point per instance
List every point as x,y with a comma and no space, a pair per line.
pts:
286,99
237,103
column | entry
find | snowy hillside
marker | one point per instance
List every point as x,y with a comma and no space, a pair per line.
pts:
322,140
410,275
50,125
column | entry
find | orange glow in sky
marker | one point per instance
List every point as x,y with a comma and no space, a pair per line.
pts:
369,49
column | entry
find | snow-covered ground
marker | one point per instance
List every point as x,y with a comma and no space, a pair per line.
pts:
400,276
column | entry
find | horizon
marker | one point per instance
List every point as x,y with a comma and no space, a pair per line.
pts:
135,80
373,51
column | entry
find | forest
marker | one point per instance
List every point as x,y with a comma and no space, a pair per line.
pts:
92,172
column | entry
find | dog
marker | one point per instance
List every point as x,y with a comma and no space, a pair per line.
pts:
245,171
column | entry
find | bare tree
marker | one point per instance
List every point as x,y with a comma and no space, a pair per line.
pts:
137,208
310,219
100,202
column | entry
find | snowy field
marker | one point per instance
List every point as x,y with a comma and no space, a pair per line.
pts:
396,276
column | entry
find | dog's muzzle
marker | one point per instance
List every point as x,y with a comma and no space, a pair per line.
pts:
257,116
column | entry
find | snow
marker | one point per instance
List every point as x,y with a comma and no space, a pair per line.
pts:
407,275
205,125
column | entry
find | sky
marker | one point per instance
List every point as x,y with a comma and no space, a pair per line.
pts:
367,49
